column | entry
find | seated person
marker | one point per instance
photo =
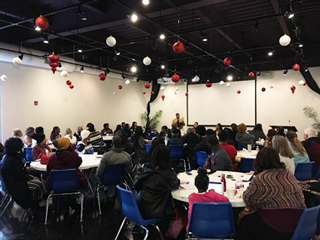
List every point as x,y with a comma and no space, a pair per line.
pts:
273,188
231,150
116,156
17,133
68,134
165,132
258,133
126,131
201,131
41,150
28,140
25,189
78,133
203,145
39,130
299,152
180,126
147,156
312,145
280,144
84,147
138,145
191,139
202,181
154,186
271,133
106,130
55,134
95,138
175,136
243,137
219,159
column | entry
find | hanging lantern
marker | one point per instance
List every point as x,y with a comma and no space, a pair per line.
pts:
162,88
64,73
263,89
102,76
238,91
187,94
42,23
114,93
163,96
144,92
3,78
195,78
271,85
293,88
111,41
127,82
146,61
221,82
251,75
71,86
301,83
53,62
53,58
152,92
284,40
175,92
68,82
119,87
208,84
16,61
296,67
147,85
227,61
178,47
305,83
175,78
177,89
228,84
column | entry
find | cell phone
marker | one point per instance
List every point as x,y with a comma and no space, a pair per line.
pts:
189,173
229,176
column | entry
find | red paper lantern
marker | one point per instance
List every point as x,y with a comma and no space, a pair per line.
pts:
53,70
42,23
187,94
53,64
53,58
227,61
305,83
147,85
238,91
175,78
263,89
251,75
163,96
296,67
152,92
208,84
293,88
68,82
144,92
102,77
120,87
178,47
71,86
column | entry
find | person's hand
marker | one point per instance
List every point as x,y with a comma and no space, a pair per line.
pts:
206,165
212,190
182,119
250,173
50,153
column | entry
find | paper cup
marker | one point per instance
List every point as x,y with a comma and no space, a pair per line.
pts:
249,147
230,192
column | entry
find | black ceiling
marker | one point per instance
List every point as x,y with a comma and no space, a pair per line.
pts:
244,30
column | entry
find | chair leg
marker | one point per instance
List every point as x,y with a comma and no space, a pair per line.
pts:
98,198
3,199
147,233
81,210
121,226
160,233
47,210
6,206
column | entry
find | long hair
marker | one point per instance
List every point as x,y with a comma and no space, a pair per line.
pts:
280,144
69,131
258,127
296,145
202,180
161,156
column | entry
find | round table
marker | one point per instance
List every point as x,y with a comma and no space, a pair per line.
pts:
88,161
246,154
187,185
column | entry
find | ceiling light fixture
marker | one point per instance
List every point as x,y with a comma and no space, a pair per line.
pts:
82,69
162,36
204,37
134,17
285,72
270,53
37,28
45,39
300,45
83,15
145,2
289,14
123,76
20,56
133,69
80,50
255,27
229,77
163,66
117,52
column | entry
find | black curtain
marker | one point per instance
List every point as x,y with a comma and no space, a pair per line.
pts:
155,89
310,81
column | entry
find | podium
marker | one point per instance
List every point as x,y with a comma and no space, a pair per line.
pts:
287,128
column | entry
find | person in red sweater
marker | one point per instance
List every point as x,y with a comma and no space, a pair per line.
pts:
202,182
41,150
231,150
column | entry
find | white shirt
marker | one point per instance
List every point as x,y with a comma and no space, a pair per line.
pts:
288,162
73,140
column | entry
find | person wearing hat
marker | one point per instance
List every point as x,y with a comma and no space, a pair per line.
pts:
84,147
65,158
41,149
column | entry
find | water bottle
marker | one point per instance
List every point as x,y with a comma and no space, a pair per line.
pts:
238,188
223,180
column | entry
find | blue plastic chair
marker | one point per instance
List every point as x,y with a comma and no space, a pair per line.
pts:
201,157
28,154
151,136
112,175
317,173
304,171
64,182
129,207
176,151
307,225
147,147
240,147
246,165
211,220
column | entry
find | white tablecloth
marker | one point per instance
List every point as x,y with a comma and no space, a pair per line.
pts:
107,138
182,194
246,154
88,161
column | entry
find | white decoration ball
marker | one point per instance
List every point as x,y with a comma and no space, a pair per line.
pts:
114,93
196,78
16,61
221,82
111,41
162,88
177,89
228,84
127,82
284,40
175,92
271,86
301,82
146,61
64,73
4,77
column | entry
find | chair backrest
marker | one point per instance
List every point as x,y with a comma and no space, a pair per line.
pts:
28,154
151,136
2,184
211,220
201,157
317,173
176,151
307,225
246,165
113,174
128,205
64,181
240,147
147,146
304,171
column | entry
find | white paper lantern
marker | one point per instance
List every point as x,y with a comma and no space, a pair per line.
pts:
228,84
3,77
162,88
127,82
175,92
177,89
196,78
301,82
64,73
221,82
284,40
16,61
114,93
271,85
146,61
111,41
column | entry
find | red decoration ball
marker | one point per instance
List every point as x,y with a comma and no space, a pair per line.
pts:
102,77
163,96
238,91
263,89
144,92
71,86
53,64
147,85
53,58
187,94
227,61
42,23
296,67
175,78
208,84
178,47
120,87
152,92
305,83
251,75
68,82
